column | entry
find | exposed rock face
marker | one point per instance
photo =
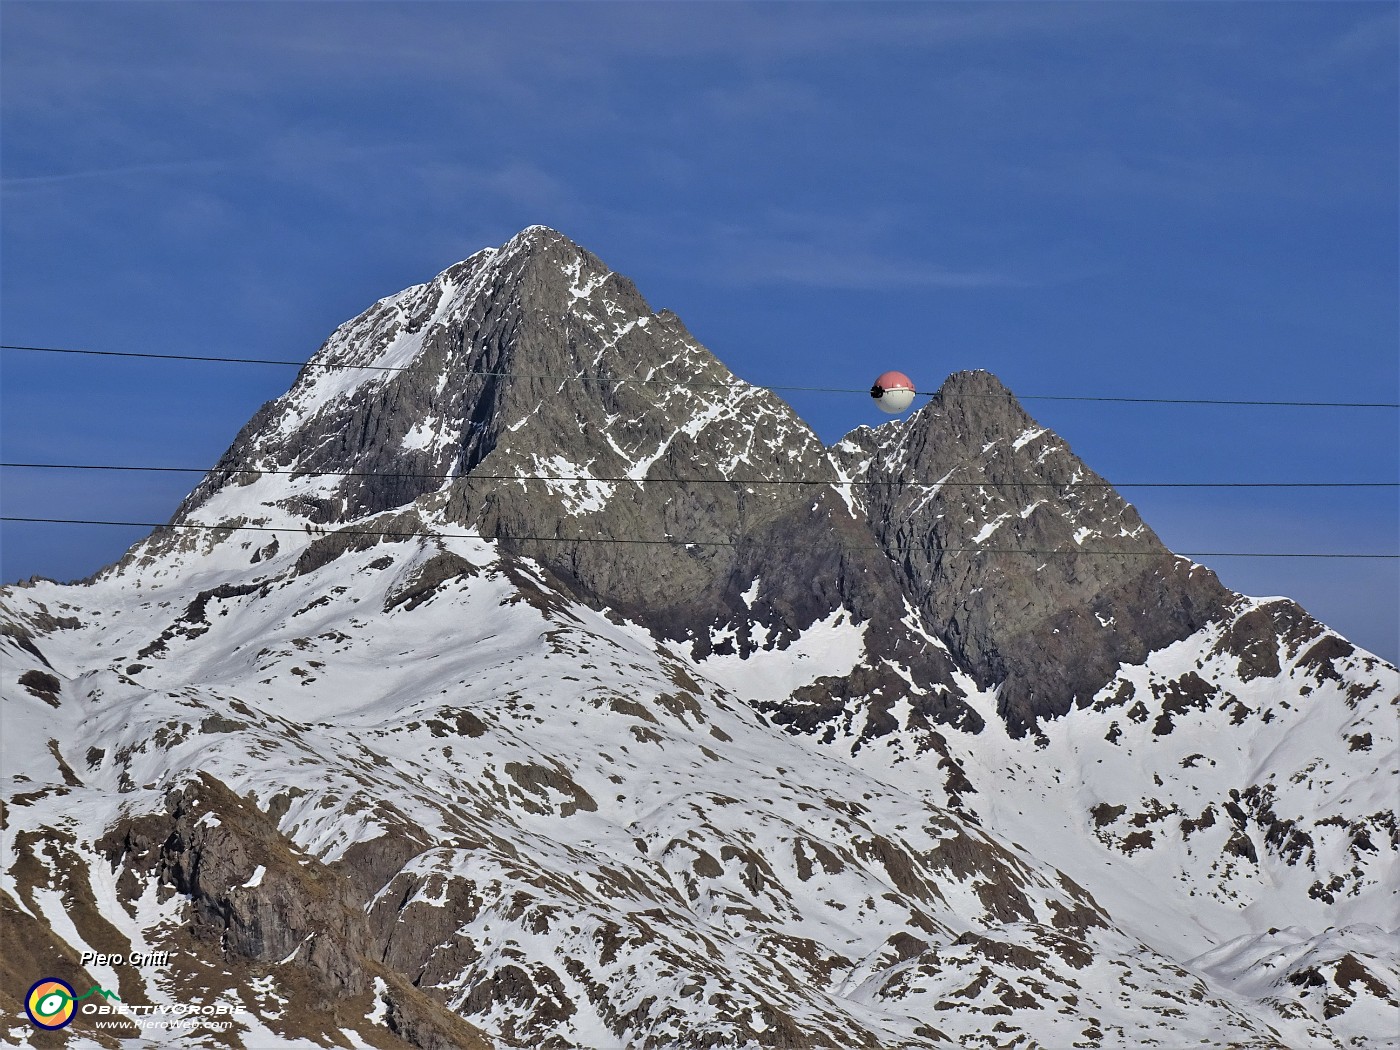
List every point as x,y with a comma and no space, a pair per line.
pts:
256,901
495,386
211,846
968,497
528,368
811,752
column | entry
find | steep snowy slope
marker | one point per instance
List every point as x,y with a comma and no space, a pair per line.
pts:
382,745
1205,807
533,814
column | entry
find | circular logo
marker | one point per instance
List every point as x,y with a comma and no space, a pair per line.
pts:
49,1003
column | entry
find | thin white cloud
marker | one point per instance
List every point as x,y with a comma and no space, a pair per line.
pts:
183,167
517,182
1376,35
766,99
1219,179
840,253
827,268
864,249
71,55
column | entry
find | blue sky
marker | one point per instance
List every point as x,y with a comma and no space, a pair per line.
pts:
1171,200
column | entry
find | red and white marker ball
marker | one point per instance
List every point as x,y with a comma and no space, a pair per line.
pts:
893,392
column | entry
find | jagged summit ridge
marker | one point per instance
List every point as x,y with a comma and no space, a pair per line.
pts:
476,400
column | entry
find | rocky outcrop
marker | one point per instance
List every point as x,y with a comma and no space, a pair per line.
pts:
495,387
255,900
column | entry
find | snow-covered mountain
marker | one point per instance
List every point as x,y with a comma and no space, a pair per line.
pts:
819,749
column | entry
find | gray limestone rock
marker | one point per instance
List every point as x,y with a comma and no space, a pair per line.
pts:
1037,575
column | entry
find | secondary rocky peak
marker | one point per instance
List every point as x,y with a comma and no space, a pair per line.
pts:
979,405
1038,576
973,382
974,406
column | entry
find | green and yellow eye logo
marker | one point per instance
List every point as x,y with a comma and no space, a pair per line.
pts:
49,1003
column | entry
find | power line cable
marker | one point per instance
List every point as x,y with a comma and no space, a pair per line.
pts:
835,482
737,384
175,357
671,542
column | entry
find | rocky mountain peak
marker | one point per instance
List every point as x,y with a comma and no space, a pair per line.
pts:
973,382
583,698
531,394
421,386
1038,576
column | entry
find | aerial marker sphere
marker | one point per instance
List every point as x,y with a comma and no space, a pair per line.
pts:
893,392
